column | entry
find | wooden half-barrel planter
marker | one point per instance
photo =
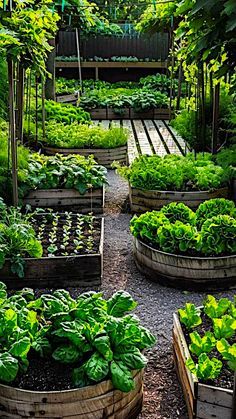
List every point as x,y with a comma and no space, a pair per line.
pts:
203,401
103,156
142,200
84,270
92,201
100,401
185,272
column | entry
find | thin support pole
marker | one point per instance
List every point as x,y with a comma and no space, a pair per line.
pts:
78,58
12,132
179,86
215,122
43,111
36,110
20,102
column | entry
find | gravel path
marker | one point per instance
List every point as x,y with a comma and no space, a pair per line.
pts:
163,396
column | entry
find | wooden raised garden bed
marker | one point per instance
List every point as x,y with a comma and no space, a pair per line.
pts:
142,200
185,272
103,156
203,401
129,113
83,270
100,401
91,201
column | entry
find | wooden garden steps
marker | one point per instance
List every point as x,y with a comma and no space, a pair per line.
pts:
149,137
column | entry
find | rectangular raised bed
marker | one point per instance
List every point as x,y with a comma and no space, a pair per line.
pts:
203,401
72,99
91,201
59,271
129,113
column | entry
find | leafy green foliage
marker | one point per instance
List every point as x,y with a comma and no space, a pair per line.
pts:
17,239
206,368
174,173
61,112
190,316
97,336
213,207
228,352
177,211
200,344
215,309
224,327
217,236
80,136
25,35
146,226
177,237
173,230
73,171
3,87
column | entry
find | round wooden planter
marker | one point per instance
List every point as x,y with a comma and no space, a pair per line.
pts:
143,200
185,272
104,156
100,401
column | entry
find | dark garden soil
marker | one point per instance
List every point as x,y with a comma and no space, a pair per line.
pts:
81,236
163,398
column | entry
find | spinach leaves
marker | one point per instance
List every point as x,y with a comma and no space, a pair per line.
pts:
99,337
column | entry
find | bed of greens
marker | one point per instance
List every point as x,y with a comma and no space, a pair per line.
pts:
85,136
176,173
210,335
44,233
176,229
93,338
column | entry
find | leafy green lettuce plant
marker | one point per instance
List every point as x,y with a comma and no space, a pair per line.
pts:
213,207
99,337
228,352
190,315
177,237
217,236
205,368
202,344
224,327
215,309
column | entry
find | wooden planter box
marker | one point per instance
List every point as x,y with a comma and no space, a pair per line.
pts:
103,156
72,99
142,200
129,113
203,401
58,271
185,272
99,113
114,115
91,201
100,401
